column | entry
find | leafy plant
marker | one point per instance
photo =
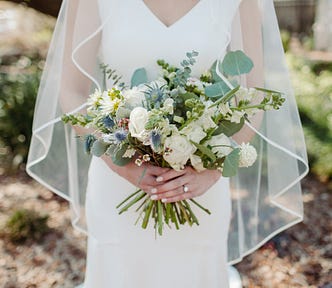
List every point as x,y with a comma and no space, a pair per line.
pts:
26,224
17,98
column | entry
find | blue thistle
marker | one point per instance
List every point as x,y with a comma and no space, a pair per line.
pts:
155,138
108,122
120,135
88,142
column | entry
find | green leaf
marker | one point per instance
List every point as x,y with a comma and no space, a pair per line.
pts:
236,63
267,90
231,163
205,150
139,77
228,128
217,90
117,156
226,97
99,147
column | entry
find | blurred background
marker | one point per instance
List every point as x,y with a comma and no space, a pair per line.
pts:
39,248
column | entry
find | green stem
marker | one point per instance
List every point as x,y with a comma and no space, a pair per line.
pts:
160,217
192,214
130,196
147,214
200,206
132,202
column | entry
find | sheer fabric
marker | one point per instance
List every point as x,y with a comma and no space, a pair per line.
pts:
266,197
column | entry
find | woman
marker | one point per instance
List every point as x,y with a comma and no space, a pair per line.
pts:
130,34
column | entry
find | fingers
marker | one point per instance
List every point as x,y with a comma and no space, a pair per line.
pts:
170,174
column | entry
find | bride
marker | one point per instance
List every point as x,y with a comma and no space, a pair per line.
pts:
247,209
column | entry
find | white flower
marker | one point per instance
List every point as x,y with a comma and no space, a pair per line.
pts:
252,111
237,116
137,121
220,145
130,152
108,103
134,97
248,155
94,99
191,81
243,94
197,163
168,106
224,109
194,132
179,150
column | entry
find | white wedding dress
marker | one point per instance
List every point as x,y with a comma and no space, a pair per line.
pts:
120,254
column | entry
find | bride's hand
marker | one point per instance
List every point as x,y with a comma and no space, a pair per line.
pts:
143,177
173,188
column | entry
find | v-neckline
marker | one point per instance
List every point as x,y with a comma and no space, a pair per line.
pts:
177,21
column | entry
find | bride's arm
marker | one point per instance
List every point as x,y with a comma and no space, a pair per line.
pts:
75,88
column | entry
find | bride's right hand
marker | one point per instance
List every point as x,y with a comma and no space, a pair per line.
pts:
143,177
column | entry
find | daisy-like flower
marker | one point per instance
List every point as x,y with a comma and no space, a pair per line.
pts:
248,155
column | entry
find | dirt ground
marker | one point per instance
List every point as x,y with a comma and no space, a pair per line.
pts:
299,257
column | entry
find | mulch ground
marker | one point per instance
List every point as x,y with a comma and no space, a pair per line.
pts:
299,257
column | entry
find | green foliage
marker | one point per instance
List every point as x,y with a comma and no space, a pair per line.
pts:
24,225
139,77
314,98
231,163
236,63
285,38
18,90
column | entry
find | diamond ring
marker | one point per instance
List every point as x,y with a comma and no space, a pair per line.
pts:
185,189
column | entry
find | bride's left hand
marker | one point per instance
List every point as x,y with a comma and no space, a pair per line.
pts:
173,190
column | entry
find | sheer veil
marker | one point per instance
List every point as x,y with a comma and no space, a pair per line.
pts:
266,198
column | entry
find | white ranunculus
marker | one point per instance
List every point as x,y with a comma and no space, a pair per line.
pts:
248,155
179,150
134,97
137,121
194,132
220,145
168,106
197,163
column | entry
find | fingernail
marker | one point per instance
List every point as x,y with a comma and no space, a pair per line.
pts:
163,200
154,197
154,190
159,179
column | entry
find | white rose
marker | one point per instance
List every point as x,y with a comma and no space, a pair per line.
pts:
219,144
134,97
197,163
194,132
248,155
137,121
178,151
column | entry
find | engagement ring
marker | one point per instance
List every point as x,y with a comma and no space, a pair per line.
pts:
185,189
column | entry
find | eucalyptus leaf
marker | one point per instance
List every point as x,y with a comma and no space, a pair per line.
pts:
139,77
231,163
215,76
99,147
205,150
228,128
217,90
117,156
236,63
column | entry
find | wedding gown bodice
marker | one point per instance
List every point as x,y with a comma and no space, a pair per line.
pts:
133,37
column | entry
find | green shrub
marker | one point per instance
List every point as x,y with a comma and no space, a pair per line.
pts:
24,225
313,91
285,38
18,90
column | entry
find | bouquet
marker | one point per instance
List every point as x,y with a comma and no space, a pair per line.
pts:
175,121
